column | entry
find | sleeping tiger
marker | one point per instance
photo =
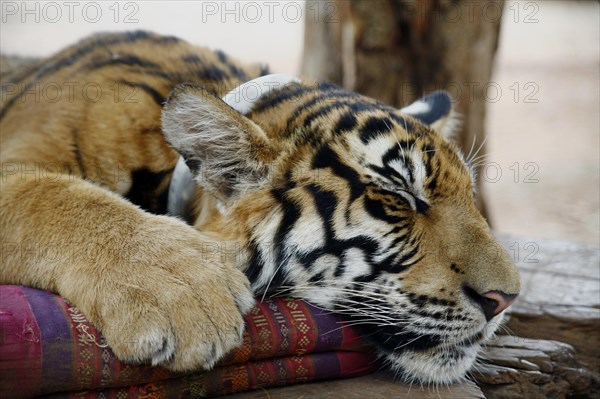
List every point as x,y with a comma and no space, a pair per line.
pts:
160,187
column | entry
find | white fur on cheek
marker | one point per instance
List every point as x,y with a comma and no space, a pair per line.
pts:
308,233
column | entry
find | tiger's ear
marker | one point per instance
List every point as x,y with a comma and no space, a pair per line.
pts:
227,153
435,110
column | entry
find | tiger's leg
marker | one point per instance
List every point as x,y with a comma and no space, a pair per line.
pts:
144,280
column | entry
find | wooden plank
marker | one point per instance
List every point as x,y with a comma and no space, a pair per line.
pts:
514,367
380,385
559,301
560,296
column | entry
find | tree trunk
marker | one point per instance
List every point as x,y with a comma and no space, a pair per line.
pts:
398,50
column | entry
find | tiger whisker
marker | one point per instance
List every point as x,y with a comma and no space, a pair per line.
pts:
407,343
471,150
371,295
374,285
266,289
478,149
402,150
381,314
478,159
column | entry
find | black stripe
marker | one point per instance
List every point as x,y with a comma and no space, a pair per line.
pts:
403,122
428,153
255,264
235,71
124,59
291,213
395,154
191,59
403,264
374,127
326,202
162,39
400,239
312,116
147,68
422,206
222,56
346,123
208,71
155,94
277,97
432,184
431,174
317,279
212,73
77,150
395,230
377,210
410,168
327,158
362,106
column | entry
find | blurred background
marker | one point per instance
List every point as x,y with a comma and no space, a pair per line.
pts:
541,177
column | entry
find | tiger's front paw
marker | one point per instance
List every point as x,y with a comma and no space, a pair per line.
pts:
176,303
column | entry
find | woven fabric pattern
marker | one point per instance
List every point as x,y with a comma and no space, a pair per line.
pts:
48,347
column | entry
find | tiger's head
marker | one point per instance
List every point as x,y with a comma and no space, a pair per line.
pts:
357,207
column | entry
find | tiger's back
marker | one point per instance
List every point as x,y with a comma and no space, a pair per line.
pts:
93,110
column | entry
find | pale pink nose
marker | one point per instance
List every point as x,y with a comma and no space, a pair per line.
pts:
494,302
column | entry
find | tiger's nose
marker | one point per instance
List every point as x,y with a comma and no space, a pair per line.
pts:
492,302
495,302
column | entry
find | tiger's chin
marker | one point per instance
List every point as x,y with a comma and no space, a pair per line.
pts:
442,364
438,366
